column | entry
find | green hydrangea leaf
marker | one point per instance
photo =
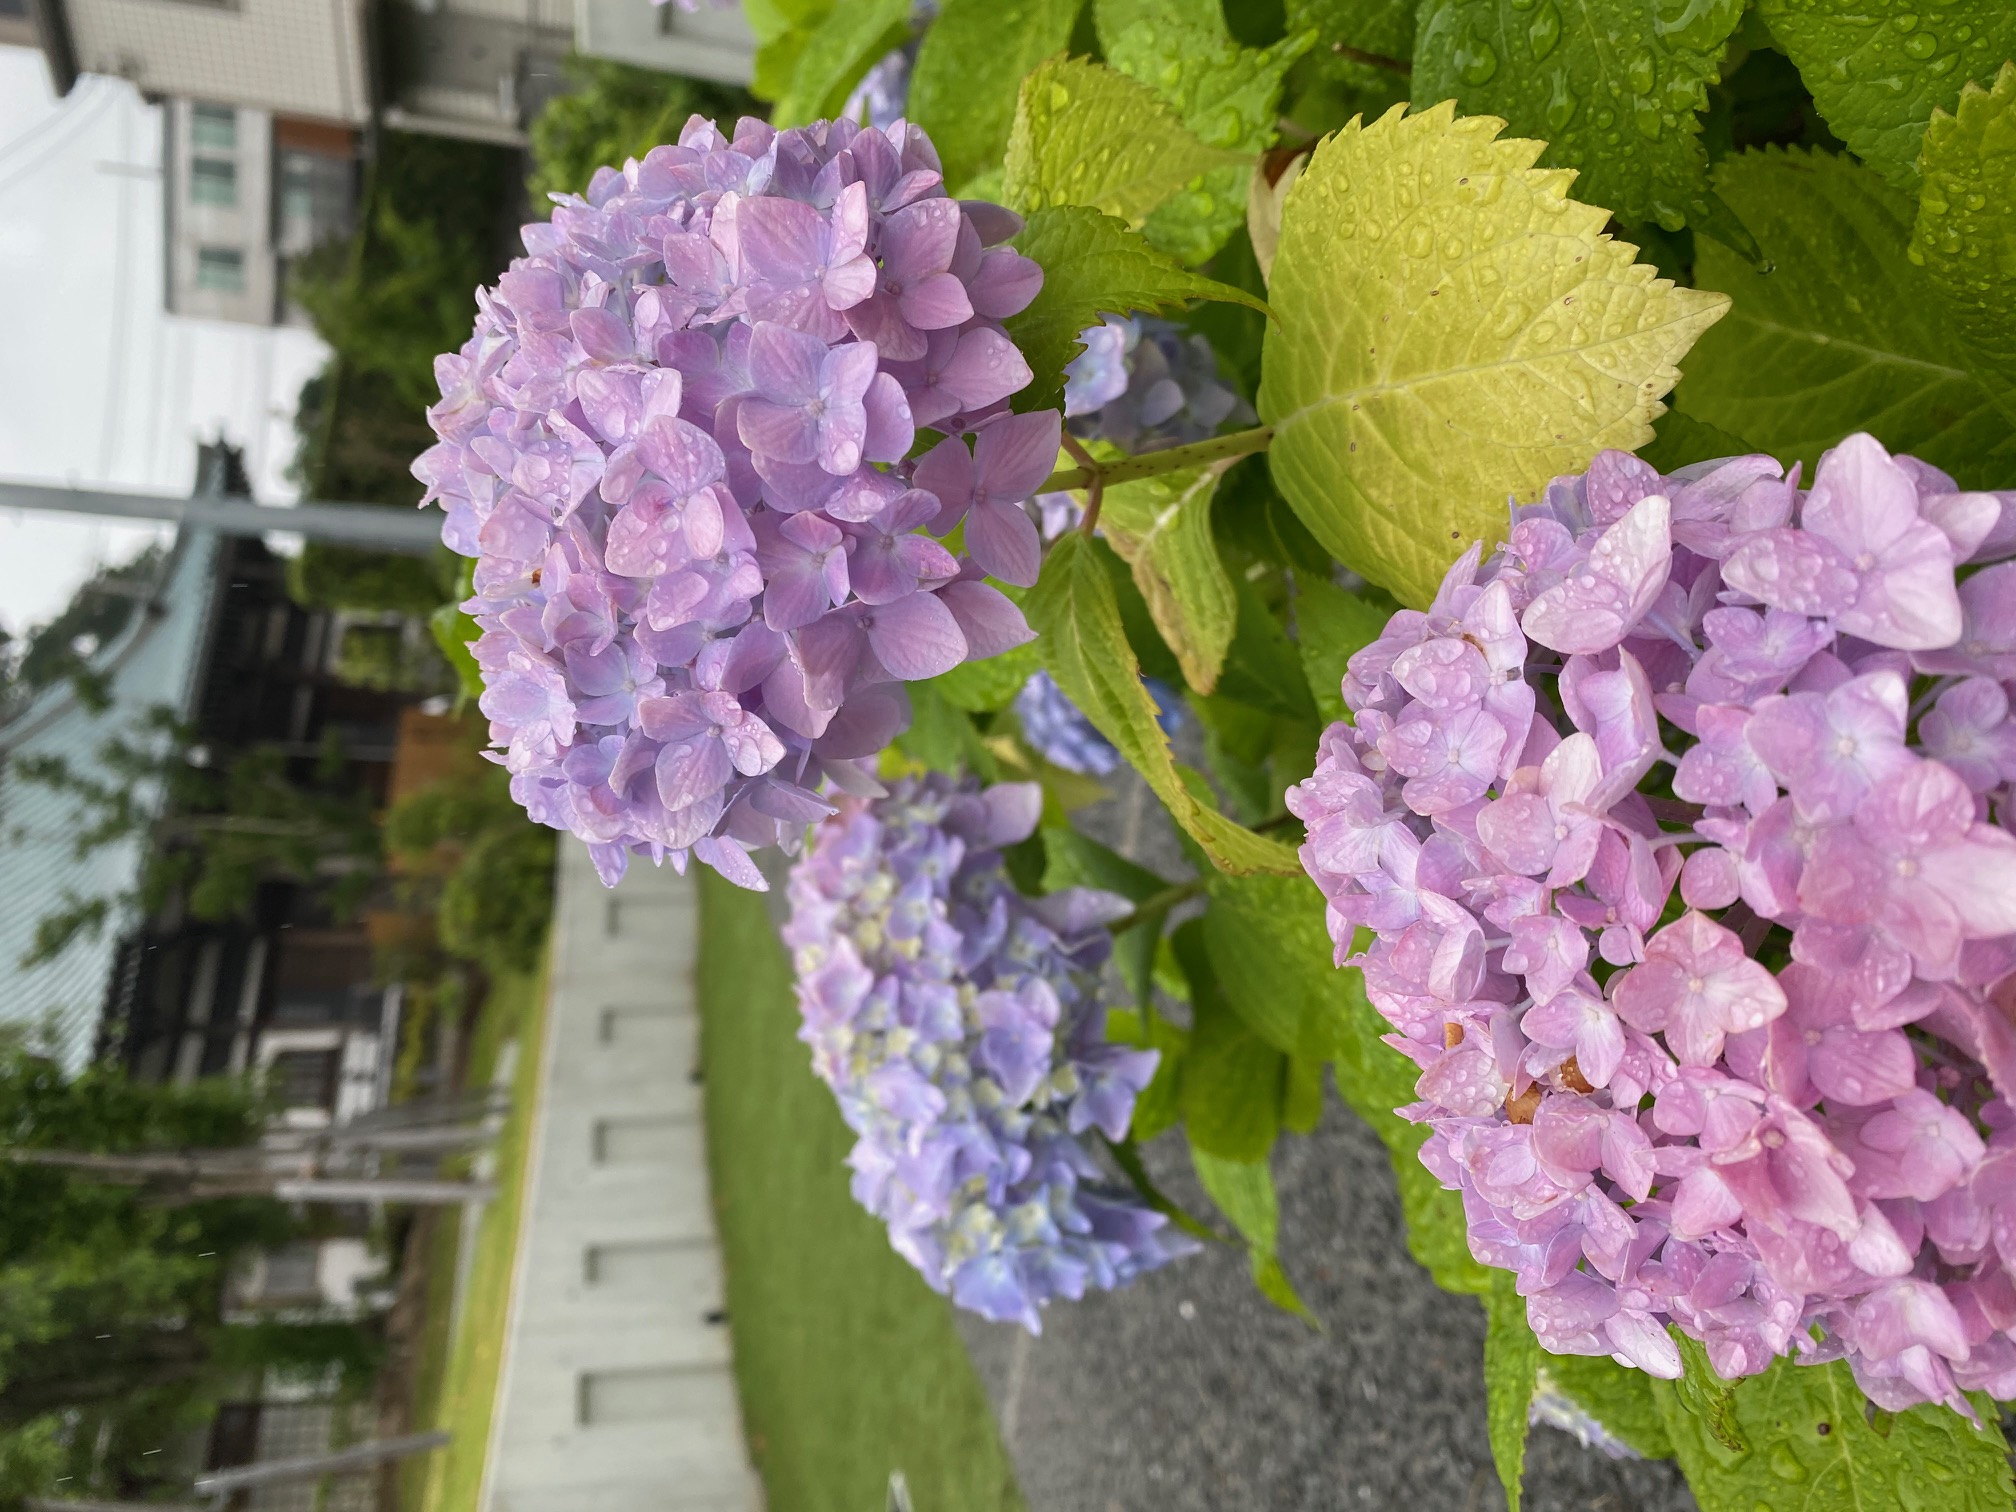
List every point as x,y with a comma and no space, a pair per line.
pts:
1843,334
1093,266
1965,234
939,735
782,28
1228,95
1086,135
835,55
1617,1396
1511,1370
1085,648
984,687
1452,328
454,630
969,73
1272,954
1233,1081
1331,626
1614,87
1798,1439
1161,527
1375,1079
1878,68
1383,28
1681,439
1244,1193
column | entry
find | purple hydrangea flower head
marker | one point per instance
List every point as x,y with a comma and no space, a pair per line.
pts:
676,445
1682,831
961,1026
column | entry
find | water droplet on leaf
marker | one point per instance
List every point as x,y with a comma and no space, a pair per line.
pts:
1785,1464
1475,60
1543,31
1561,103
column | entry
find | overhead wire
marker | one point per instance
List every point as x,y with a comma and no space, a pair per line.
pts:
77,118
85,91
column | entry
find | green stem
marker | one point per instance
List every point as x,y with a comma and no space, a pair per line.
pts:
1151,464
1157,903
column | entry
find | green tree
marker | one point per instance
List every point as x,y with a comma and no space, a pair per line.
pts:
111,1302
212,831
615,112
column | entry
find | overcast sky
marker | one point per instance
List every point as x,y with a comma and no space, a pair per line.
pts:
98,385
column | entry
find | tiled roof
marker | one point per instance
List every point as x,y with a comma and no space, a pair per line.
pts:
156,660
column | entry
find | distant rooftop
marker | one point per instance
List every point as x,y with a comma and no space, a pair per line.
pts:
157,659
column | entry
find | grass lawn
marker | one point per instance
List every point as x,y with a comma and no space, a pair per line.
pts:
849,1365
458,1374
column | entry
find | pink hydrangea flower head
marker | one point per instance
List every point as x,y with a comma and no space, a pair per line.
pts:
1693,898
677,445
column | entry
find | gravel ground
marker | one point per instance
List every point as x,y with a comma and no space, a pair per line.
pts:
1190,1391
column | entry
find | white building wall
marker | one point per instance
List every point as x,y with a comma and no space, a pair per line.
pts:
300,57
707,43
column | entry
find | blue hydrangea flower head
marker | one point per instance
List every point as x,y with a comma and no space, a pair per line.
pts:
960,1025
1059,732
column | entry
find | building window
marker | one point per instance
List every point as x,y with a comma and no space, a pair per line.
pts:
214,127
213,181
291,1273
221,268
305,1078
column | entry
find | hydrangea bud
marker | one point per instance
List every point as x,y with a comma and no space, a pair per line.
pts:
1680,833
960,1025
676,445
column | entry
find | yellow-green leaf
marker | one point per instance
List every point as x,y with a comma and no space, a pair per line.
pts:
1084,647
1965,236
1227,94
1092,266
1453,329
1799,1437
1086,135
1161,527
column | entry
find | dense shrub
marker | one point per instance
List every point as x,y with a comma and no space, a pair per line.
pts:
496,903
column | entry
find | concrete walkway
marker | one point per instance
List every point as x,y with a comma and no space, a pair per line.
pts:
616,1392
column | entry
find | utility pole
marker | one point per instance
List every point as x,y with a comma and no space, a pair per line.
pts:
315,1466
379,526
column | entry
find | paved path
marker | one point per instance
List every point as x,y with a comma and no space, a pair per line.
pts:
616,1393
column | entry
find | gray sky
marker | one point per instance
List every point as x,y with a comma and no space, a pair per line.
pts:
98,385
